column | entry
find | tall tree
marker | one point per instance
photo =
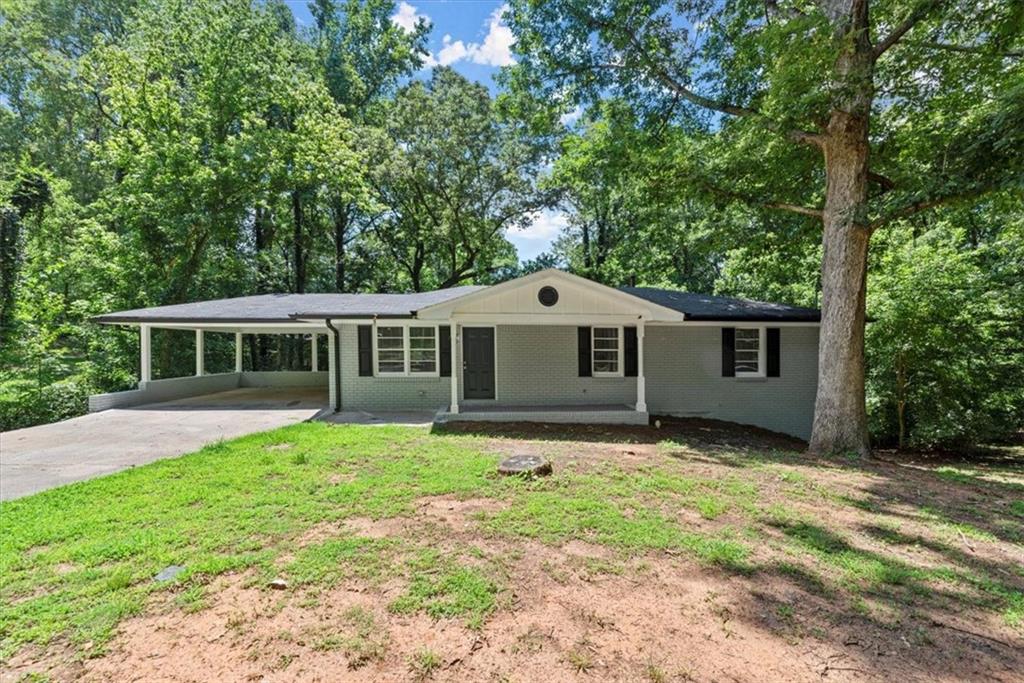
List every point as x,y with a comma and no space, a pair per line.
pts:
888,113
363,56
454,175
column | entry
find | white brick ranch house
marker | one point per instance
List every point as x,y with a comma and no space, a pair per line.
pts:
550,347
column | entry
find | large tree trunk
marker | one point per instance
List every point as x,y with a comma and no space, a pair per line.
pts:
297,239
840,417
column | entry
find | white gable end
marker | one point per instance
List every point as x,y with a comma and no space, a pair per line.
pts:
519,301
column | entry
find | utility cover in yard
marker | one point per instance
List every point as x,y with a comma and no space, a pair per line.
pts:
169,573
529,465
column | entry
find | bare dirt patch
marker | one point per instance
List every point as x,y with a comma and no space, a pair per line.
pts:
580,611
670,620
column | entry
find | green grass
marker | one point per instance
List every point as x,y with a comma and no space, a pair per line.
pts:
444,589
76,561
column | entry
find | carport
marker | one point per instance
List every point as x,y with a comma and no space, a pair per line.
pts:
254,315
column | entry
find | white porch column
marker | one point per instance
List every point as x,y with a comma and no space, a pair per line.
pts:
332,373
200,354
146,354
456,348
238,351
641,381
314,365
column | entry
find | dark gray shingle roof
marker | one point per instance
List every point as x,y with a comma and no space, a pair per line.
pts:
277,308
273,308
724,308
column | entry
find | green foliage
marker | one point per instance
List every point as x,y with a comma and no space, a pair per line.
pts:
945,359
160,152
457,175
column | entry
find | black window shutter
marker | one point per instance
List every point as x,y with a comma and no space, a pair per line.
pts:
583,334
629,341
728,352
445,337
366,350
774,364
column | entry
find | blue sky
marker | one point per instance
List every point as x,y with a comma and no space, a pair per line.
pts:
471,37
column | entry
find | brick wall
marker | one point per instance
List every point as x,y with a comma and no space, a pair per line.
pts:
684,377
385,393
537,365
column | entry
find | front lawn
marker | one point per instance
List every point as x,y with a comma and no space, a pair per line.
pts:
649,554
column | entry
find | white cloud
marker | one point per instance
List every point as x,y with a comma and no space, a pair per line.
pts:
495,50
546,225
537,237
451,52
406,17
571,117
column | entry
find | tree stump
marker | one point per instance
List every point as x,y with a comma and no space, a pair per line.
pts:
525,465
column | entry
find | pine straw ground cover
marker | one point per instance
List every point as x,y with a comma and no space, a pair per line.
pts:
700,551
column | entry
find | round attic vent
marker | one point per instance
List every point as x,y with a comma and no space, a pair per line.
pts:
548,296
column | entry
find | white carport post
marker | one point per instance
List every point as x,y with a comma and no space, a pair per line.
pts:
641,381
238,351
200,354
315,362
146,354
456,352
332,371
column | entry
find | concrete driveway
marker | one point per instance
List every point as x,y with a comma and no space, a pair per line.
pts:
47,456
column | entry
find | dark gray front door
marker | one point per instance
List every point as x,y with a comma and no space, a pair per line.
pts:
478,362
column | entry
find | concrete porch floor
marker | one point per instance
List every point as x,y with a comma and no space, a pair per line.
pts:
561,414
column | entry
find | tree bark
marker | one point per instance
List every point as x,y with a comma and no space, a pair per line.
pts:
840,416
341,223
300,259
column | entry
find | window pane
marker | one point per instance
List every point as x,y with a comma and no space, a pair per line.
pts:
422,349
422,361
605,351
748,344
422,366
390,349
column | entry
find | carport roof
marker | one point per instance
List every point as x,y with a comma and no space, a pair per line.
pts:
286,308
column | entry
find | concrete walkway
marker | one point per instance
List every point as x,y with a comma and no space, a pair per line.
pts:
47,456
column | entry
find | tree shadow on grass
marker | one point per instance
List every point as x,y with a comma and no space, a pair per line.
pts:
885,615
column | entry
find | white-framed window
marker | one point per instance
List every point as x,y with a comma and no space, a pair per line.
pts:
606,351
402,350
749,352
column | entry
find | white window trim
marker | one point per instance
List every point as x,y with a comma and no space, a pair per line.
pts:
407,350
762,341
621,352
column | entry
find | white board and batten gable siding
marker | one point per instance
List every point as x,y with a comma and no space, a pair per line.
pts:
579,301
